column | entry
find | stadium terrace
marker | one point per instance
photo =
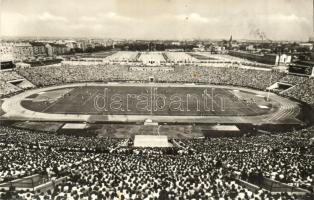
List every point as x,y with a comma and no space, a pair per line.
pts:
226,128
140,100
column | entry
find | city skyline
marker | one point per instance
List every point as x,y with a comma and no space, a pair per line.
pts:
166,19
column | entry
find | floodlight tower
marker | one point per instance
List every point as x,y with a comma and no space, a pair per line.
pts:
312,37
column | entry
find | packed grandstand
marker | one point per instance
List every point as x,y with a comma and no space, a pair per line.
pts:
105,167
234,76
204,169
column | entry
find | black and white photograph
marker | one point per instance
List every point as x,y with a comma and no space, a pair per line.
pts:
157,100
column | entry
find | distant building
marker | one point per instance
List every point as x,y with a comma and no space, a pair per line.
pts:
90,45
71,45
307,45
49,50
56,49
6,51
250,47
39,49
23,51
176,43
218,49
200,47
270,59
82,45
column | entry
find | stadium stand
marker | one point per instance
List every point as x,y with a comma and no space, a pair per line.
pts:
204,169
252,78
303,88
52,75
194,169
11,82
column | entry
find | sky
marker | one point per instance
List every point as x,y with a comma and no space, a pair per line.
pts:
158,19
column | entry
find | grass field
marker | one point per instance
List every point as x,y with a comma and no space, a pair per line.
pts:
144,100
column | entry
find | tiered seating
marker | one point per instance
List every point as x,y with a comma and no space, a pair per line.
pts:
203,169
8,80
215,75
302,90
258,79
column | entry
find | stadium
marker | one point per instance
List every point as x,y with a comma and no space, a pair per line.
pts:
192,93
168,111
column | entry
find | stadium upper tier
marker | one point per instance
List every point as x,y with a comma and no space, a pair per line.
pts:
258,79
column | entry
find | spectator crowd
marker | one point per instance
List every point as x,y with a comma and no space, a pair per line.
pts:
11,82
100,168
52,75
219,74
303,89
106,168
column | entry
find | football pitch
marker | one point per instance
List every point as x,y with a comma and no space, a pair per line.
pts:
148,100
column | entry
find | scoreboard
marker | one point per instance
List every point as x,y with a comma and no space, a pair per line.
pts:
6,65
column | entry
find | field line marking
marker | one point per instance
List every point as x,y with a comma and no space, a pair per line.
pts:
46,108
